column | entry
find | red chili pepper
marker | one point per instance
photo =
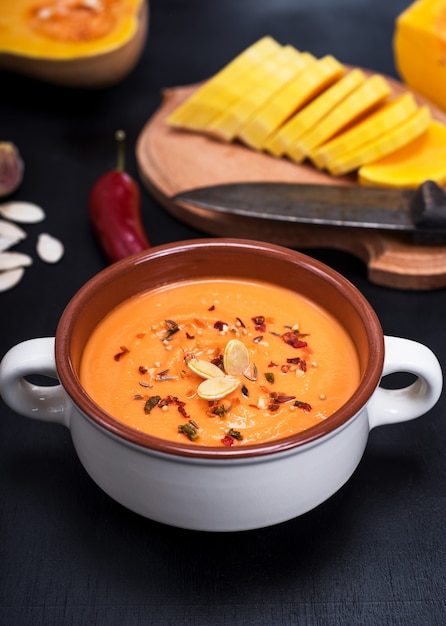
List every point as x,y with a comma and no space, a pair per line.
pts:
115,211
227,440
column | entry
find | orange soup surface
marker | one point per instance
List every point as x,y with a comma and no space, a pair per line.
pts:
220,363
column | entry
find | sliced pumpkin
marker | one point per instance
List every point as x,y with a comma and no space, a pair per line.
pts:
368,95
252,132
390,142
308,84
289,103
269,78
222,88
311,81
314,112
381,121
420,160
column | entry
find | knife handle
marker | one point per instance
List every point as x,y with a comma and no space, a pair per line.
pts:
429,207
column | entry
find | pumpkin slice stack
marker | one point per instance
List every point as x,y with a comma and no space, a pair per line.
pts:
375,124
292,105
288,134
297,92
279,70
372,92
420,160
224,87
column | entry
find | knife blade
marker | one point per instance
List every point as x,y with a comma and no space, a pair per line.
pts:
421,212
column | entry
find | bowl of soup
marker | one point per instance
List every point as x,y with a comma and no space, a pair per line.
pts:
219,384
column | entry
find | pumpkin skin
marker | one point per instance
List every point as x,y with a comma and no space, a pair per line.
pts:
73,49
419,45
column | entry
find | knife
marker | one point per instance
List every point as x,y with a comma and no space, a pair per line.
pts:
420,212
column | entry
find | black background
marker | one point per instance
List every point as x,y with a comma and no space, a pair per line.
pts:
374,553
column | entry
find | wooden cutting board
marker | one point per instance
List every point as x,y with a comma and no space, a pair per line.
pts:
171,161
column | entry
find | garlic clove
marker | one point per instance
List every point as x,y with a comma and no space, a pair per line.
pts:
12,260
11,168
22,212
49,249
9,279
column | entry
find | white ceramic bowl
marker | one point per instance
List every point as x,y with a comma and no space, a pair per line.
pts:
219,489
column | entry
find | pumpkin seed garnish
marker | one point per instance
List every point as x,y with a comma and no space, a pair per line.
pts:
218,387
235,357
251,373
203,368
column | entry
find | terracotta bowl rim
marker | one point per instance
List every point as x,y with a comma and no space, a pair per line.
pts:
109,425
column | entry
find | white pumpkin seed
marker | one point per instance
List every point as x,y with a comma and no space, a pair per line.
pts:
49,249
8,230
12,260
22,212
9,279
235,357
218,387
205,369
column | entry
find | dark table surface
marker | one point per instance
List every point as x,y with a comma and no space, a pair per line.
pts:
374,553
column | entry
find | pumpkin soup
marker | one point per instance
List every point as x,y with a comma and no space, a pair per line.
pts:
219,362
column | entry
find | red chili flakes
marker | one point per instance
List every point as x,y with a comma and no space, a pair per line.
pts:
293,340
166,401
218,361
174,400
142,369
277,398
118,355
280,397
298,361
303,405
240,322
227,441
272,364
219,325
212,308
189,336
259,323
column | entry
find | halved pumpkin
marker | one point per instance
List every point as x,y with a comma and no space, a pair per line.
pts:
420,49
75,43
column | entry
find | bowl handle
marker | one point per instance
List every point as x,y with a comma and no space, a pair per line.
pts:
34,357
387,406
